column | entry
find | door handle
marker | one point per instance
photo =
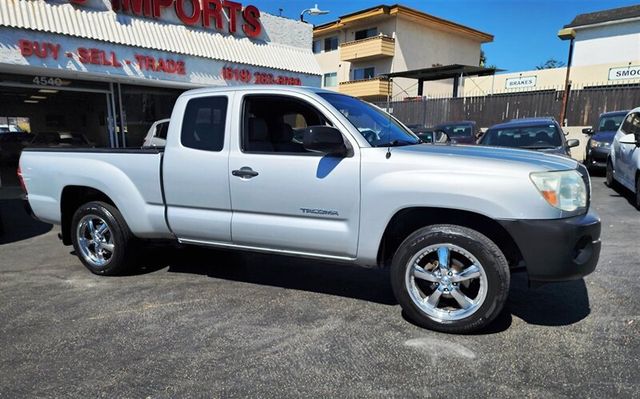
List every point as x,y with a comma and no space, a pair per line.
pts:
245,172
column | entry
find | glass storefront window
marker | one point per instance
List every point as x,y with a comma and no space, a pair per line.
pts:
142,106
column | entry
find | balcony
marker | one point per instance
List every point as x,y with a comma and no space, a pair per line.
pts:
367,49
367,88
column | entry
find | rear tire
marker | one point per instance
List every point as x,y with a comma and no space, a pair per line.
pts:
468,292
102,240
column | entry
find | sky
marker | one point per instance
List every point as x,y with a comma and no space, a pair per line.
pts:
524,30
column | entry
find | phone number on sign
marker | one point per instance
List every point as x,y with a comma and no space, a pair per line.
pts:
259,78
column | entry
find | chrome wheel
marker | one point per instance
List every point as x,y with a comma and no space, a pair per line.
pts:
95,240
446,282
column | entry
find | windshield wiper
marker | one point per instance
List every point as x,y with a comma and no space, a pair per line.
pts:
538,147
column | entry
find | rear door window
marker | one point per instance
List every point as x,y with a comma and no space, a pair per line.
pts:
204,123
161,130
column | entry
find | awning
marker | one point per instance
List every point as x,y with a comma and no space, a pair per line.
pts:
444,72
109,26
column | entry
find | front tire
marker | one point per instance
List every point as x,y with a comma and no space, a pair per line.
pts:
610,181
101,239
638,192
450,278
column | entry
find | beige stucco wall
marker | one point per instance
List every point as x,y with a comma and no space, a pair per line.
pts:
575,132
417,46
581,76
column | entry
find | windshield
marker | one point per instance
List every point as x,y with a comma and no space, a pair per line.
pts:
534,137
457,130
610,123
376,126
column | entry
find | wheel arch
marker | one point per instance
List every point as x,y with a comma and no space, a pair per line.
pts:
407,220
71,199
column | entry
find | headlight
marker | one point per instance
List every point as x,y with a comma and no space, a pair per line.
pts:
564,190
596,144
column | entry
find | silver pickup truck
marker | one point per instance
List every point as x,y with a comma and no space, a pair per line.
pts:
312,173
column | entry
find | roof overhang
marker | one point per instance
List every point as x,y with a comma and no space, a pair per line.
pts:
443,72
405,12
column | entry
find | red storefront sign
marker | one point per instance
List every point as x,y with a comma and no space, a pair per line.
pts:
205,13
145,62
259,78
95,56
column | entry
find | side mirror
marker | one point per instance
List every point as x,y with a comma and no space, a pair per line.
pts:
573,143
588,131
324,139
627,140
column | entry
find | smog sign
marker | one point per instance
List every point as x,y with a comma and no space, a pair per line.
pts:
624,73
520,81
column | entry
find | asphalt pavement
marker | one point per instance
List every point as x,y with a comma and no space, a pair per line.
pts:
204,323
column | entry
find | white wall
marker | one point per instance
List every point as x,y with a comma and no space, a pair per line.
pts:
613,43
419,46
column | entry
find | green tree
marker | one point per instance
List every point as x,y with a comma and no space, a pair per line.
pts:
483,61
551,63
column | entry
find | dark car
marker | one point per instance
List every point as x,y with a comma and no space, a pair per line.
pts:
599,143
60,139
11,145
430,135
463,132
540,134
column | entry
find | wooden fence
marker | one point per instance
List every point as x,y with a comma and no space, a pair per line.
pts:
583,108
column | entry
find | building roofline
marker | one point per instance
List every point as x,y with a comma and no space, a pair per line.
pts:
400,10
612,15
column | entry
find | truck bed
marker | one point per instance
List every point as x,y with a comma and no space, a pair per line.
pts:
130,177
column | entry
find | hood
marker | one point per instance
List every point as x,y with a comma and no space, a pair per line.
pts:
554,150
604,136
531,160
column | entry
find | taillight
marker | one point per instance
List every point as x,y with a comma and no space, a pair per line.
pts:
21,181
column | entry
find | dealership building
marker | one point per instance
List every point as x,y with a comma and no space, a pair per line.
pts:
110,68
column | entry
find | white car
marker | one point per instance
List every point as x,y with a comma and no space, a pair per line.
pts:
623,166
157,134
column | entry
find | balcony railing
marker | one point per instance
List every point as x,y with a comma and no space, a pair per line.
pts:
368,49
367,88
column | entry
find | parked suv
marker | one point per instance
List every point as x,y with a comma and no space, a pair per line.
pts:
623,165
599,144
540,134
463,132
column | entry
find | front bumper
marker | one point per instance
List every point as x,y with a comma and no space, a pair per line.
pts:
557,249
597,157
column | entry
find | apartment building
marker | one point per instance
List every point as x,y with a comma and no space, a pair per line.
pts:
356,49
